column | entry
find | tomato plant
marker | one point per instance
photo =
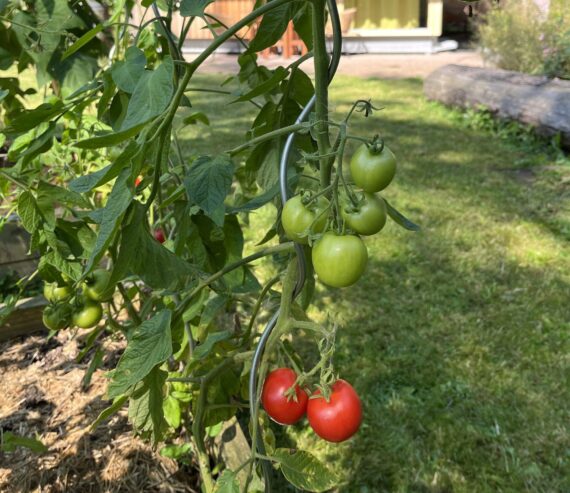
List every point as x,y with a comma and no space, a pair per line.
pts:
281,406
337,417
98,171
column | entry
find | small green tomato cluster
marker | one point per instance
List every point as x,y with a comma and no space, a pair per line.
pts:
81,309
339,255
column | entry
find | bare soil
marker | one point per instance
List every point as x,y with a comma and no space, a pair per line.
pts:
43,396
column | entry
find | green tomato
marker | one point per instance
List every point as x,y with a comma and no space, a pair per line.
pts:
297,218
368,217
97,287
339,260
57,317
87,315
373,171
54,293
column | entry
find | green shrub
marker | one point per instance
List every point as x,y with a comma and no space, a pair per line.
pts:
518,36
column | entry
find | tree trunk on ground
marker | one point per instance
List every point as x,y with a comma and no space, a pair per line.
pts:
534,100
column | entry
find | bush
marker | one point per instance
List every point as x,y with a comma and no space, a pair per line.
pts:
519,36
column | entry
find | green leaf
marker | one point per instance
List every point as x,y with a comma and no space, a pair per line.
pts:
151,95
302,21
53,194
11,441
142,255
305,471
208,183
194,8
104,415
109,139
272,27
29,212
145,406
400,219
82,41
180,453
265,87
86,183
227,483
172,412
150,345
127,73
32,118
39,145
195,118
204,349
119,200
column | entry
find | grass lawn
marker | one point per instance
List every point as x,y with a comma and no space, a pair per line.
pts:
457,338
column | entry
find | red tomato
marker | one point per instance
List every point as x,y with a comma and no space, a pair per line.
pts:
281,409
159,236
138,180
338,419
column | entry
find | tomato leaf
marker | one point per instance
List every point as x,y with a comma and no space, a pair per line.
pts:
305,471
272,27
151,95
11,441
195,118
146,413
127,73
400,219
32,118
227,483
110,139
82,41
149,345
194,8
119,200
104,415
29,212
207,184
204,349
266,86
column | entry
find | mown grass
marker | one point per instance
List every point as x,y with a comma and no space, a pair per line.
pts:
457,338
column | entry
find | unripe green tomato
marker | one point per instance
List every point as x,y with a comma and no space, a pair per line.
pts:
339,260
297,218
57,317
87,315
96,286
54,293
373,171
368,217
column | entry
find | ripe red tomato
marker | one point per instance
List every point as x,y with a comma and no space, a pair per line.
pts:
159,236
338,419
281,409
138,180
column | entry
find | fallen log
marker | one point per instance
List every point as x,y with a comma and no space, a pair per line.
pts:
529,99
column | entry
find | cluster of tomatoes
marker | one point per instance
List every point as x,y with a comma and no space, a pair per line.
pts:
82,309
334,419
340,256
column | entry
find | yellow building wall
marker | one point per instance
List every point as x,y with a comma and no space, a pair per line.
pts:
385,14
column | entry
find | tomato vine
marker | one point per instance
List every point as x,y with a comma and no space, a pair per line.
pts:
134,229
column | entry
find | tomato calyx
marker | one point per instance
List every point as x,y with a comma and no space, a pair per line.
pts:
376,145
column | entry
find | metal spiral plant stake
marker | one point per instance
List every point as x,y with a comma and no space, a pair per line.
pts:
258,355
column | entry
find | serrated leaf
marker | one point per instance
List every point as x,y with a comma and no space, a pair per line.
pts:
109,139
127,73
29,211
117,203
304,471
272,27
266,86
82,41
227,483
150,344
11,441
145,406
400,219
114,408
194,8
142,255
208,182
204,349
151,95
